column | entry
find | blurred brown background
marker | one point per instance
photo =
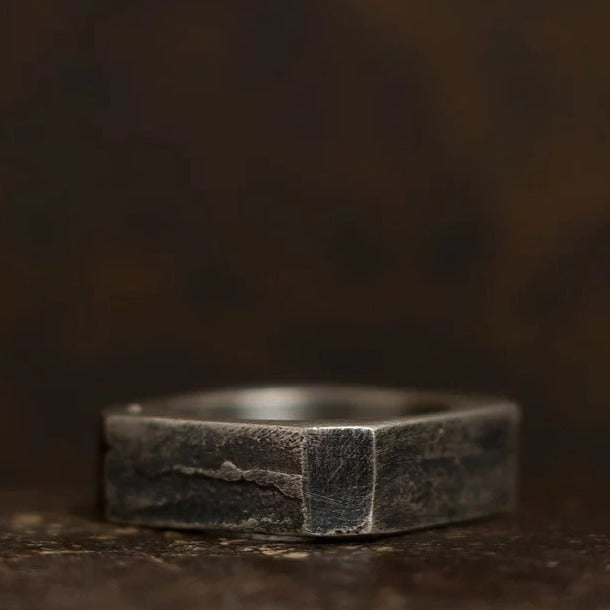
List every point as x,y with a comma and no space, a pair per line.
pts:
205,193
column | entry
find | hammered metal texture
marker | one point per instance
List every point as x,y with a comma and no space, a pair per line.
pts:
168,467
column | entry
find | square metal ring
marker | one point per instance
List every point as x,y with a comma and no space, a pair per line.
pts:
310,461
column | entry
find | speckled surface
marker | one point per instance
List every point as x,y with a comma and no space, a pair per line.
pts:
55,553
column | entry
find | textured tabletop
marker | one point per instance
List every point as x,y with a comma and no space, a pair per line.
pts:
56,553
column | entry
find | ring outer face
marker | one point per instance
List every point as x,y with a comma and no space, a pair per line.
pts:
302,479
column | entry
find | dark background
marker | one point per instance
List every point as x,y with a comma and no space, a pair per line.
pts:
206,193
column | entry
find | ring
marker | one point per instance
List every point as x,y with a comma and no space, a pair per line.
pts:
310,461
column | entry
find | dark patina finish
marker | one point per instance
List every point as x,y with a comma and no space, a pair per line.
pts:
310,461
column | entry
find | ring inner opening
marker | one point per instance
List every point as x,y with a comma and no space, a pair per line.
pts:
295,404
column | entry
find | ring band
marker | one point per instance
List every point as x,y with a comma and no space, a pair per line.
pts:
312,461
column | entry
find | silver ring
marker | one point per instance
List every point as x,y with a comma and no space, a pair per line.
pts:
313,461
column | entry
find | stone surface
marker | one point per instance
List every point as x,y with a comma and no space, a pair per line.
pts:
553,554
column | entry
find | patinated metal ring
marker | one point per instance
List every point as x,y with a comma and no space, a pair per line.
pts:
310,461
